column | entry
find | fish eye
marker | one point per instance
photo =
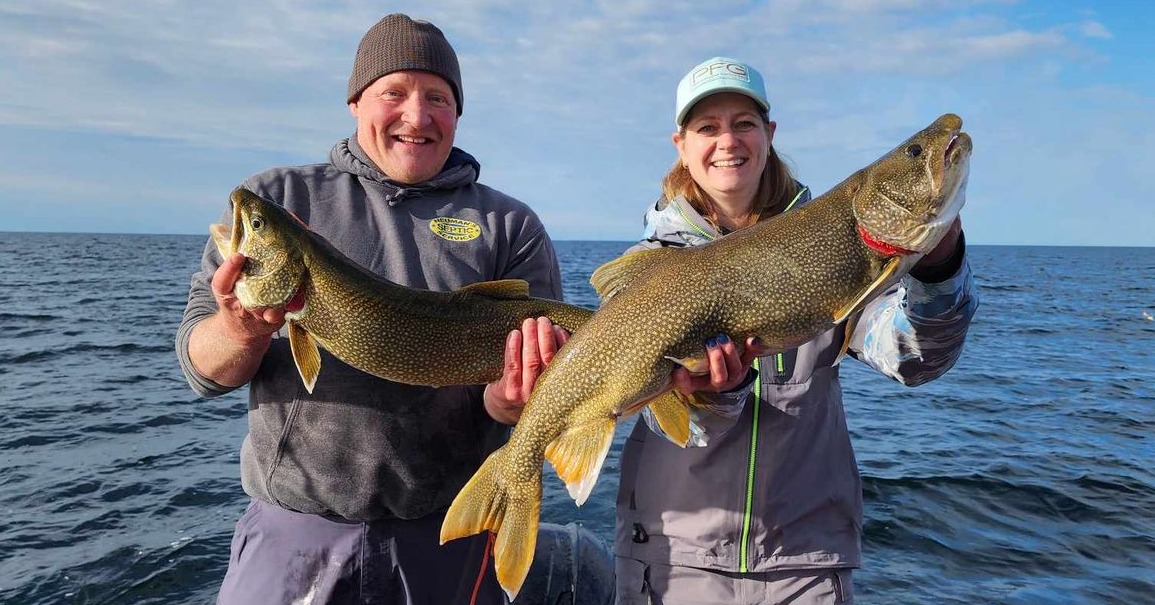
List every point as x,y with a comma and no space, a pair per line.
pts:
914,150
256,223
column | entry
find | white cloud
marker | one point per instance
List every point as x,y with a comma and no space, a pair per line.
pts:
567,105
1094,29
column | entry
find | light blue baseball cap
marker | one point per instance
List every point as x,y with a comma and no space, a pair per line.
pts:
719,74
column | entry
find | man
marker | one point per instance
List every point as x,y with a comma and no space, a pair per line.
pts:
349,484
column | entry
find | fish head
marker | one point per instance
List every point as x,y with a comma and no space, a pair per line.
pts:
908,198
272,241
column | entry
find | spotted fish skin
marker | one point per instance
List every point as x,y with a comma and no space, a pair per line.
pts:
398,333
785,280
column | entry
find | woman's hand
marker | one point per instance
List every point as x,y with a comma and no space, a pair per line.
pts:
728,366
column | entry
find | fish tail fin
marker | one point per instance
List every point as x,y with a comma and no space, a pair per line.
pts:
513,550
485,504
578,454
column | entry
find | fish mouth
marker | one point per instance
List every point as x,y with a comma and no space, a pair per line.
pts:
950,147
957,149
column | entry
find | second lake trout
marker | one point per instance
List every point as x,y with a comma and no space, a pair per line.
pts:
785,280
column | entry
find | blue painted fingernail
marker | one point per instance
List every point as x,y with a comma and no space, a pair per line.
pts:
711,343
723,338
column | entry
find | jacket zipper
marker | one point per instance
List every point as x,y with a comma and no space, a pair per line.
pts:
748,511
743,554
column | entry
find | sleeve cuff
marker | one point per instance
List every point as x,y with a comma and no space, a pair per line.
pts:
943,271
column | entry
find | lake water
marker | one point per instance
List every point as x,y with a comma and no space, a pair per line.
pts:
1025,475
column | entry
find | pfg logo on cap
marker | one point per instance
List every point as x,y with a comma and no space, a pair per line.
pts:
717,70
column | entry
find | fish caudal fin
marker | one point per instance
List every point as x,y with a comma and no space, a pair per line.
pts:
305,355
578,454
484,504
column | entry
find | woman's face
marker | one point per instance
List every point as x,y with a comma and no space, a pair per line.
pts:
725,143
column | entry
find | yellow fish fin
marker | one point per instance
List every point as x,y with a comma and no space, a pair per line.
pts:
484,504
504,289
615,275
578,454
851,322
882,281
305,355
671,410
223,238
695,365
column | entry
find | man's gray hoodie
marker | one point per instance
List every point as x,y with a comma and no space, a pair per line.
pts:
358,447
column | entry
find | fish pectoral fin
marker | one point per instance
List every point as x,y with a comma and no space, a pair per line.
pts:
223,239
615,275
485,504
851,323
884,279
695,365
503,289
578,454
305,355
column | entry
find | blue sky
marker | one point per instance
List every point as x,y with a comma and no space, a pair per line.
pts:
139,117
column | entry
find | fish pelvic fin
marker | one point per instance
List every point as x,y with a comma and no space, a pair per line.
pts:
305,355
615,275
502,289
484,504
671,411
694,365
578,454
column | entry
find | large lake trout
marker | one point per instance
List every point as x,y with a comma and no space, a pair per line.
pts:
394,332
785,280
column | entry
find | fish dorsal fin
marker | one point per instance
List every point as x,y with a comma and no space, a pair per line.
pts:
615,275
503,289
578,454
886,277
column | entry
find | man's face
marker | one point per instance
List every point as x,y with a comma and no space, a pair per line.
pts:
406,121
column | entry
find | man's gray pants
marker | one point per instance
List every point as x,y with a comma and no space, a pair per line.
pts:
280,557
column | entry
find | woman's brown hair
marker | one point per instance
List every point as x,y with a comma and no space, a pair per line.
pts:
775,191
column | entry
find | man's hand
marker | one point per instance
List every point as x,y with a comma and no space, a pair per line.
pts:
728,366
240,324
527,352
227,347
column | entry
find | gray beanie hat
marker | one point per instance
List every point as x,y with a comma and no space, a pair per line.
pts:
399,43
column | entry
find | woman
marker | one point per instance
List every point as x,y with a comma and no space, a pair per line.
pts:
771,510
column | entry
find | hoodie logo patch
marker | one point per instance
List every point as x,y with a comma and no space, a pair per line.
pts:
455,229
